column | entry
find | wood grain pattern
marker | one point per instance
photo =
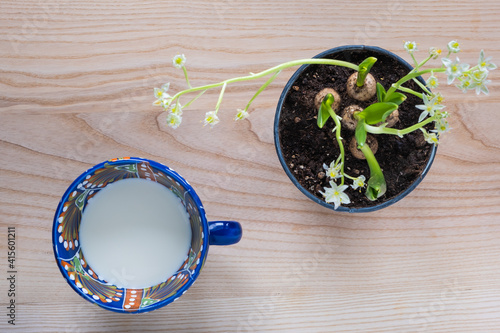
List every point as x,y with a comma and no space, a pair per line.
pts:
76,83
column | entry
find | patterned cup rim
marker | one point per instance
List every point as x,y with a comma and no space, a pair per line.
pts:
189,190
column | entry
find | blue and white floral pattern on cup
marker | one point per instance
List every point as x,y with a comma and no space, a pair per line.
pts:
85,281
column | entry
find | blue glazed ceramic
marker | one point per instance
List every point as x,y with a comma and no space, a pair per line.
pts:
84,280
372,51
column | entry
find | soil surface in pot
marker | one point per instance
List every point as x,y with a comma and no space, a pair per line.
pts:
306,147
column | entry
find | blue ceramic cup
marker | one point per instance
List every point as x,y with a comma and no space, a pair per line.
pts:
79,274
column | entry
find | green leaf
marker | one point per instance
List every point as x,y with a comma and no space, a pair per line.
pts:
377,112
376,187
360,132
396,98
325,110
380,92
364,69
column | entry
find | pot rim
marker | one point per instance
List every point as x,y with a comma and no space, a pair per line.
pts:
277,144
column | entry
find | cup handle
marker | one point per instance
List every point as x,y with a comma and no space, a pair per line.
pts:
224,232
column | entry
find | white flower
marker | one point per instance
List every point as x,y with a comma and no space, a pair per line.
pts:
333,171
429,107
482,88
179,61
432,81
485,63
174,120
161,94
241,114
454,69
441,126
176,109
335,194
358,182
211,118
434,52
454,46
410,47
430,137
479,74
466,82
438,98
475,79
165,87
165,103
443,114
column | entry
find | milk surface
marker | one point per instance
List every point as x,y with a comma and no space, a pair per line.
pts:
135,233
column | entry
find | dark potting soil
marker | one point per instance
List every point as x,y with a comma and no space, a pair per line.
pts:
306,147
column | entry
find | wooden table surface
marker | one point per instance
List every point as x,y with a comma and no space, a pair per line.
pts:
76,80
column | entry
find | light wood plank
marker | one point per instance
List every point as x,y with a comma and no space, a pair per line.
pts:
76,83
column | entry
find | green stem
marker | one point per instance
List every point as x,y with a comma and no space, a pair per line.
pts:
264,86
186,76
351,178
338,127
339,158
220,97
422,86
376,185
194,99
412,75
266,72
400,133
472,68
411,91
422,63
414,60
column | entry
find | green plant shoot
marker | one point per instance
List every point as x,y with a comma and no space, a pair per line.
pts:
364,69
376,185
373,119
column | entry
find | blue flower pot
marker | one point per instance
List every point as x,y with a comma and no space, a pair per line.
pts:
370,51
